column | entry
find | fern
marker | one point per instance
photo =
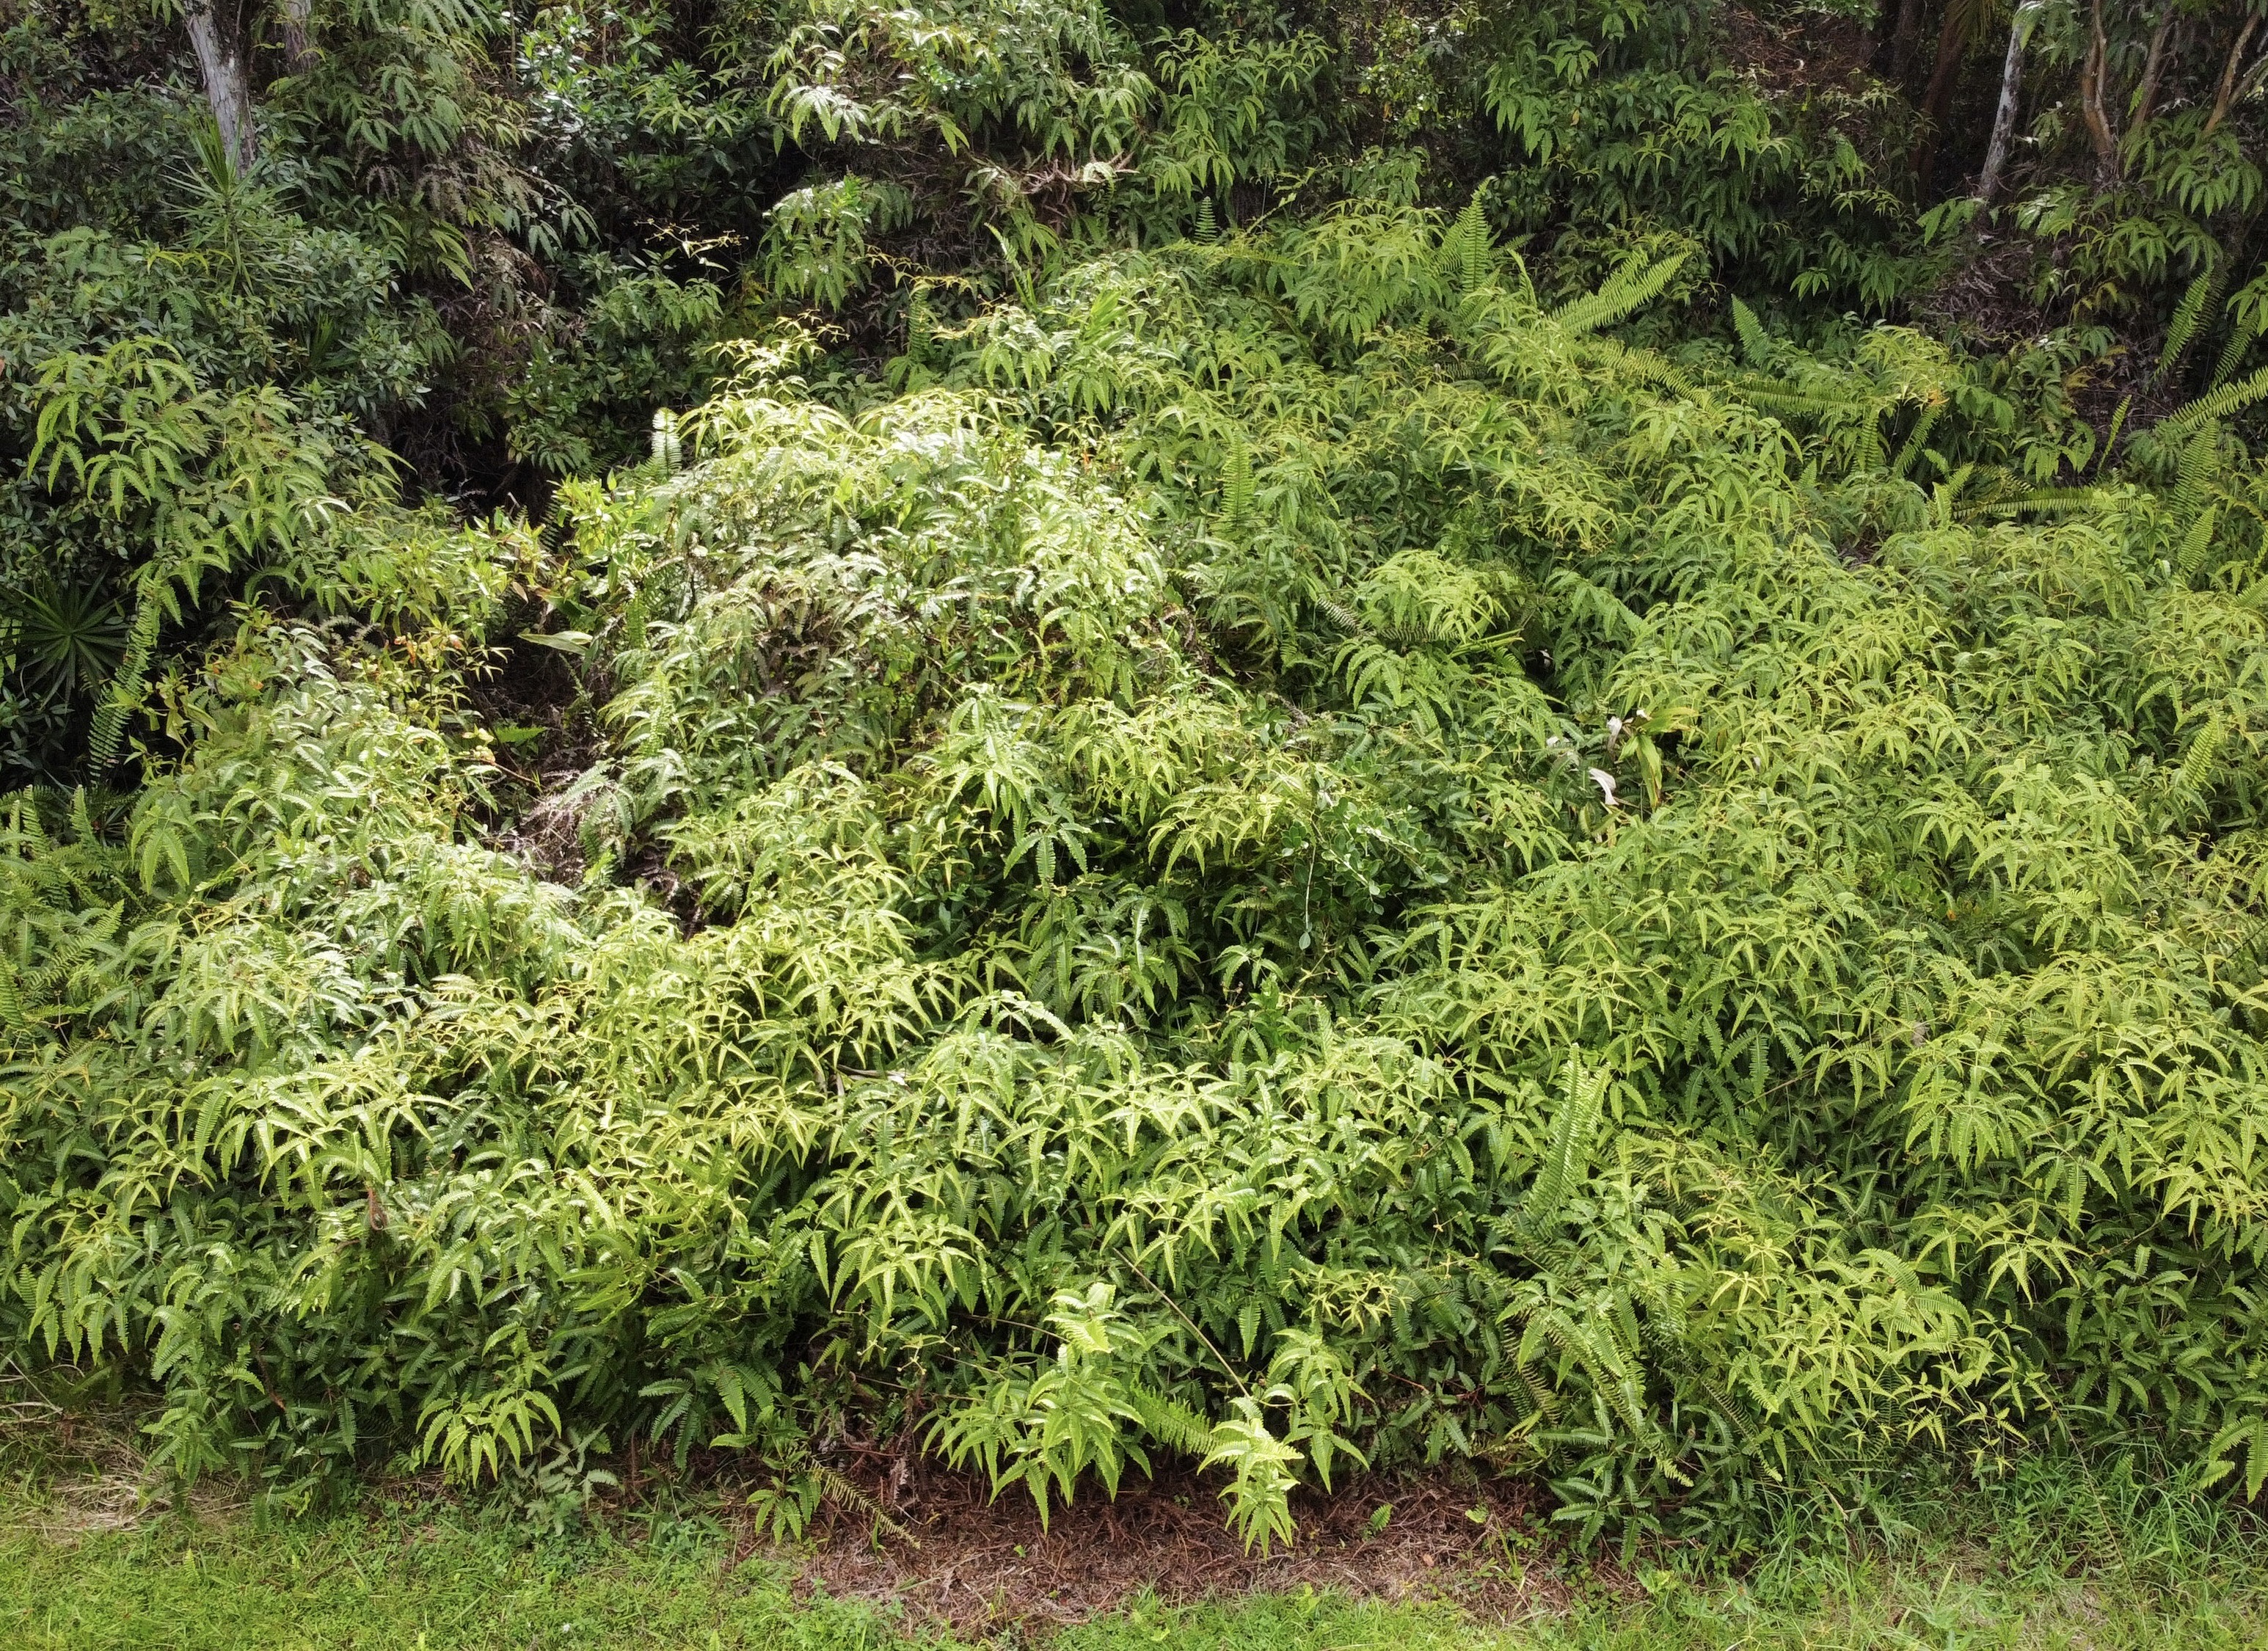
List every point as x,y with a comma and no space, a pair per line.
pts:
2203,294
2118,424
1754,343
1629,289
2196,543
1567,1157
2241,339
1466,244
2221,404
1916,440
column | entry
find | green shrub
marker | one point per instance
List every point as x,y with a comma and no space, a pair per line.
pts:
1296,857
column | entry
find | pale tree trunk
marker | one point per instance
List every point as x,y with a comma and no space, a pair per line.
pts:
2146,95
2094,101
2250,84
298,49
228,87
2225,95
2004,116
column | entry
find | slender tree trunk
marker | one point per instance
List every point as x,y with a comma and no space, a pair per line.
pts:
2250,84
2093,103
298,49
2227,92
2004,116
1904,36
2146,95
228,89
1950,45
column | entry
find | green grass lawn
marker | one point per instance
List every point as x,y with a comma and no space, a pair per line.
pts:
2055,1557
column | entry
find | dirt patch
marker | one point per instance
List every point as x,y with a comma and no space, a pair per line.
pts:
1985,302
532,699
974,1565
1985,298
1808,52
107,1483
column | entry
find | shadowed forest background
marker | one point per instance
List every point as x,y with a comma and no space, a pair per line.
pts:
1282,738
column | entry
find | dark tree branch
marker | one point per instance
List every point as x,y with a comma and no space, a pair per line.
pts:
299,47
1951,42
1904,36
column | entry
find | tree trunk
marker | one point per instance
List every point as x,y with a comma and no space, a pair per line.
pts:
298,50
2146,95
2250,84
2094,105
1950,46
2226,93
2004,116
1904,37
220,59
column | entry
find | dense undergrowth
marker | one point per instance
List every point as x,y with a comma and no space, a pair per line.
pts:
1292,828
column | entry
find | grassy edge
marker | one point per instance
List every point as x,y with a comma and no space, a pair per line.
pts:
2057,1554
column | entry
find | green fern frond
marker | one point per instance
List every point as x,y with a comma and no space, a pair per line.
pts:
1171,1423
1567,1158
1628,290
1917,438
1465,247
2224,403
2202,294
2241,339
2118,424
2047,499
1755,344
2195,544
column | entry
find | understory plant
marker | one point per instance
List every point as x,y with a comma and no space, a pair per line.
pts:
1284,852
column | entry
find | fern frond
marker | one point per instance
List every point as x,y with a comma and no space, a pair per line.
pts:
2118,424
2046,498
1567,1159
2241,339
2195,543
1171,1423
2200,462
1467,242
2202,757
1628,290
1755,344
1917,438
2224,403
2202,293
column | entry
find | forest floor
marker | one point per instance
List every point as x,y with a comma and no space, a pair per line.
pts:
93,1554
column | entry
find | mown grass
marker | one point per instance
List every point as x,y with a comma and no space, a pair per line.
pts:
2055,1556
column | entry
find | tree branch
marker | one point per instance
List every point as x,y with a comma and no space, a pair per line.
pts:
299,47
1951,42
1904,34
2227,92
2145,94
2094,105
2004,116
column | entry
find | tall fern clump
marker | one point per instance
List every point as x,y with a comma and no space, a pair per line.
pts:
1281,853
